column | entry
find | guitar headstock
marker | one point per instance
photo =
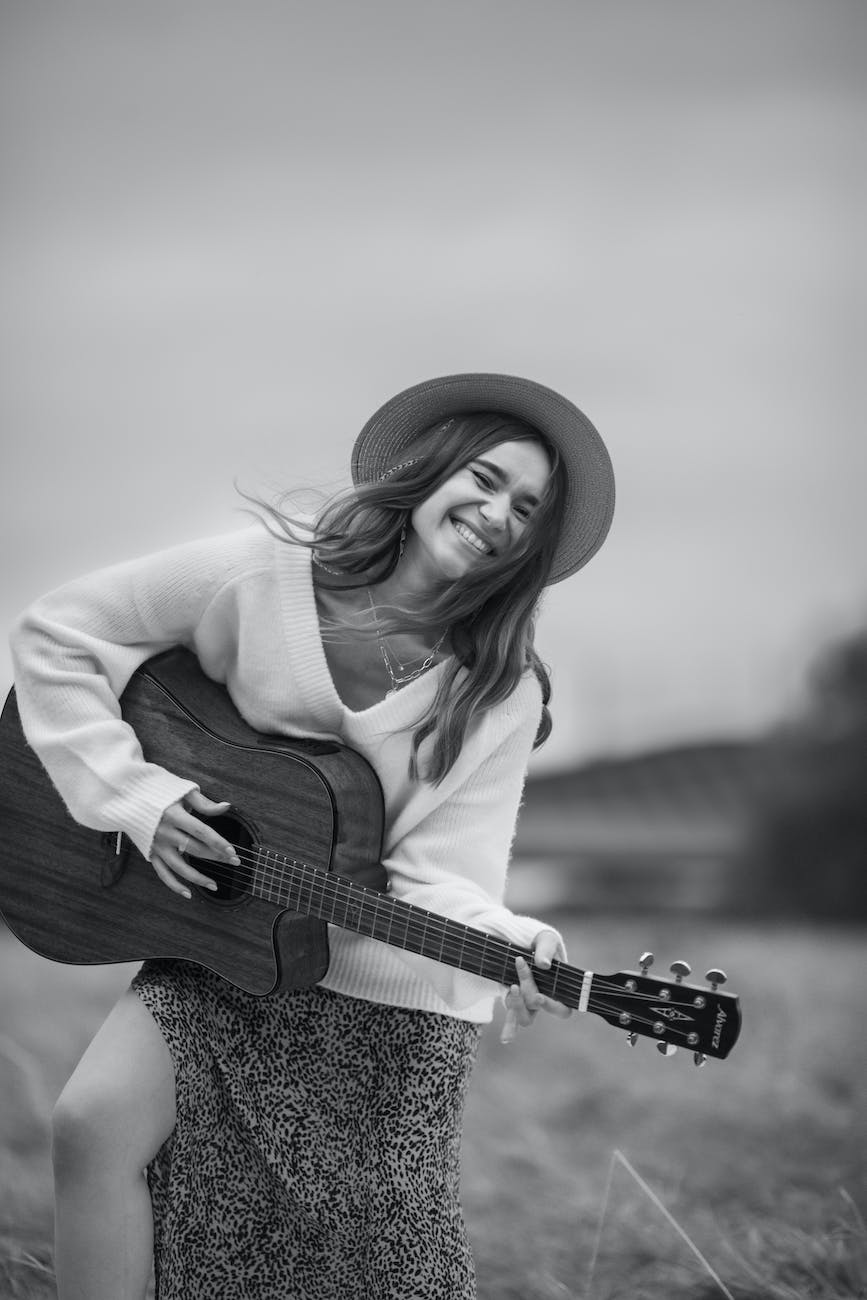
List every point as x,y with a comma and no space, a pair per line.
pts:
674,1013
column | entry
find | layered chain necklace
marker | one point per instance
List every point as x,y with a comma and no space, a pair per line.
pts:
401,678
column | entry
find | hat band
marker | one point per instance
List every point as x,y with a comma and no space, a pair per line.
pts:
395,469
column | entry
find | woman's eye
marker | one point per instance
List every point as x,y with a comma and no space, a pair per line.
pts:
482,479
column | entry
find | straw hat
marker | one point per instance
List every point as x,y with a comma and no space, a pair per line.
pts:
589,503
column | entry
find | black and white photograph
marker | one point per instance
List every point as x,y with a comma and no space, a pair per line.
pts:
434,650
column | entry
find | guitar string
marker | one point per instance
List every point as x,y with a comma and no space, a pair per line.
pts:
568,978
598,1005
336,890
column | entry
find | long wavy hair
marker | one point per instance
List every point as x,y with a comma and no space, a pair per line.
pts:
490,612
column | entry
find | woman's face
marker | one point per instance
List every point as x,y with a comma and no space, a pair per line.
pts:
483,509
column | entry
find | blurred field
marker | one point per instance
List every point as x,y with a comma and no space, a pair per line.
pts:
760,1159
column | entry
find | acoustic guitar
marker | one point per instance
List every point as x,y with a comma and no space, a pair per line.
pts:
306,819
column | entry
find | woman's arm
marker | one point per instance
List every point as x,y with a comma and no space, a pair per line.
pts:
454,862
75,649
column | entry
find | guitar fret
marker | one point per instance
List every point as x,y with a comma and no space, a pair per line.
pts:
310,882
400,940
352,912
278,879
375,919
272,885
463,941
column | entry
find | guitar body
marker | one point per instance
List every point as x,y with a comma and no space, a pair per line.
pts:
68,894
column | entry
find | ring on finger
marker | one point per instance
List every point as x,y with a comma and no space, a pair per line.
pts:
182,847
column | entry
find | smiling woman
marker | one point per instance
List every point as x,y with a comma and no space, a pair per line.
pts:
309,1142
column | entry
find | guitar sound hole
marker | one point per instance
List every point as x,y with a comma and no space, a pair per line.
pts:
233,883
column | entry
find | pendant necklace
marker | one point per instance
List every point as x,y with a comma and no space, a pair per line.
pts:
397,680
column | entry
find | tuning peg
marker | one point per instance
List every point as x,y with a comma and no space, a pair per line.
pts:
666,1049
680,969
632,1039
699,1059
716,978
646,961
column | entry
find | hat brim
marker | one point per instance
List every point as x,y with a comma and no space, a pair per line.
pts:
589,503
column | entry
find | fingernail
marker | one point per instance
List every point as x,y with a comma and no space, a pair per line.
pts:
212,884
186,893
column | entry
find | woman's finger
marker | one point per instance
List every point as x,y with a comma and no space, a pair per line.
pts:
168,879
533,999
558,1009
547,946
510,1028
179,865
522,1011
531,995
201,803
169,864
182,828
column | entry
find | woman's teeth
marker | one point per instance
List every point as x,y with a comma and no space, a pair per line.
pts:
469,536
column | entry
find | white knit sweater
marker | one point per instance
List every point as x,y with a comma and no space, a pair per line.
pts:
244,602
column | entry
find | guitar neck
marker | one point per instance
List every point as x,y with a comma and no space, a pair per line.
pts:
314,891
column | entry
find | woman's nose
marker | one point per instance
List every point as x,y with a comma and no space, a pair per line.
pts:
495,510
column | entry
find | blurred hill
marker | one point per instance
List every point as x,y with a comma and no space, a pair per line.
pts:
775,827
660,829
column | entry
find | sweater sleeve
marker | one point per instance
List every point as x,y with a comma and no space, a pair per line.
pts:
75,649
454,862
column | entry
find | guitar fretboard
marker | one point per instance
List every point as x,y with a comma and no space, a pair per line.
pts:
314,891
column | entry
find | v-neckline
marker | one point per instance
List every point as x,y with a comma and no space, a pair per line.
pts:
395,700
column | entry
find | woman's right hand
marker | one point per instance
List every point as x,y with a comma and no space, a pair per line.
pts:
180,835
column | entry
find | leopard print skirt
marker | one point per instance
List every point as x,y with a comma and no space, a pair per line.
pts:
316,1154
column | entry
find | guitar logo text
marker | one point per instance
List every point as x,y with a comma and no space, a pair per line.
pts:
721,1018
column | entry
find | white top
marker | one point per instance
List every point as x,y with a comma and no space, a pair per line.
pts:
244,603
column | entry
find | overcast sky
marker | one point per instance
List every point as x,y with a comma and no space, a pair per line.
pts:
230,231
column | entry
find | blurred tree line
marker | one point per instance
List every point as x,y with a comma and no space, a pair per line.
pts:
809,848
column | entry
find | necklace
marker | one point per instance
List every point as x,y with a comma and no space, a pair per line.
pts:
319,564
397,680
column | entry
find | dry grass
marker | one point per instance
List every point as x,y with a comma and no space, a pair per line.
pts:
760,1159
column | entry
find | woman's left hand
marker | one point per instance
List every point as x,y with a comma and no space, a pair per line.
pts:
523,1000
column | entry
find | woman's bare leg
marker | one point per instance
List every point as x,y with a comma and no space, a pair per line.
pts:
110,1120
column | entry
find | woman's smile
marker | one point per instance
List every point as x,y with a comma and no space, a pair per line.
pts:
471,537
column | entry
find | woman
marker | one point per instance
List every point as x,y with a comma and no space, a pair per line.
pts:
307,1144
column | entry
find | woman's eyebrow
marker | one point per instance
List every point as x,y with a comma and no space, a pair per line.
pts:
503,477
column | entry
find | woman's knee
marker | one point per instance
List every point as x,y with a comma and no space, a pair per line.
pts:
86,1126
119,1106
